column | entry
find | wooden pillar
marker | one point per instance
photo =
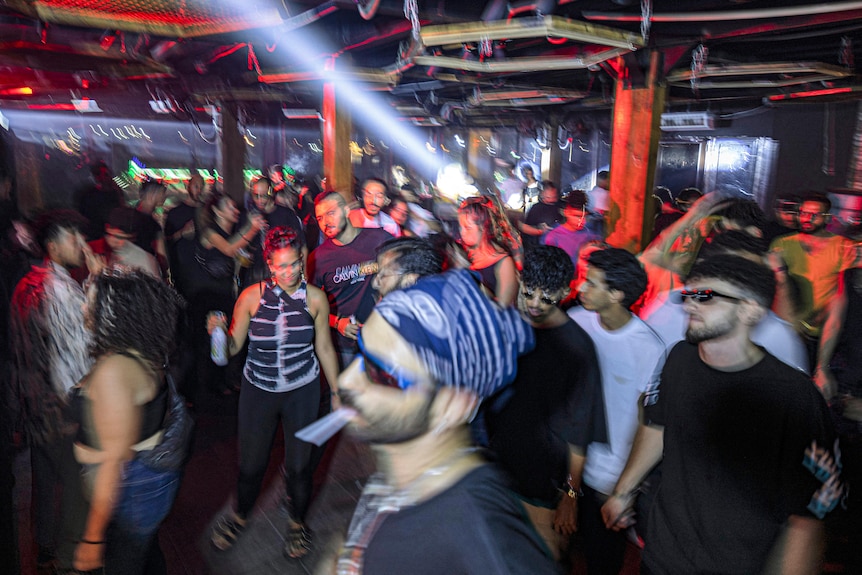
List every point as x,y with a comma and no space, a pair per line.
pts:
232,153
29,184
552,158
337,128
634,149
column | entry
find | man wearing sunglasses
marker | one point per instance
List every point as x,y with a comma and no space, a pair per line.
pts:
541,425
745,442
428,356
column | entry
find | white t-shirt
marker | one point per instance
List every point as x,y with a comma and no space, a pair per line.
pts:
772,333
631,359
360,219
597,200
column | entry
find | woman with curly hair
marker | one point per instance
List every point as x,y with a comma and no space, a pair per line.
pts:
286,322
120,406
491,245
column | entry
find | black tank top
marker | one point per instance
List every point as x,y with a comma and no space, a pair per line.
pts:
153,415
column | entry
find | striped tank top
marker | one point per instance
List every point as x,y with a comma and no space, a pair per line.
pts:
281,342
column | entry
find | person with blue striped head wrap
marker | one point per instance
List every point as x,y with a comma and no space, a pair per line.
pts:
428,355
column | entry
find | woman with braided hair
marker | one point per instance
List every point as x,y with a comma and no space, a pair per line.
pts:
492,245
286,322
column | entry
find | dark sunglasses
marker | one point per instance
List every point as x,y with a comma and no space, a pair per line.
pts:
703,295
528,294
378,372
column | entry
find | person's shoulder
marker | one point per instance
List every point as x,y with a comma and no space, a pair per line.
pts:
374,235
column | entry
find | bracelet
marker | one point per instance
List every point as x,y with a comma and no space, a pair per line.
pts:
88,542
619,495
334,393
245,238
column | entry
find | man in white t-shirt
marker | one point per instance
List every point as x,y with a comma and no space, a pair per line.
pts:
631,356
370,214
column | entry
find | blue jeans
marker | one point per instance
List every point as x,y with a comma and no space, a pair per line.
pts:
146,497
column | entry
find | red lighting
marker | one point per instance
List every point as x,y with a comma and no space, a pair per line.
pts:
63,107
809,94
23,91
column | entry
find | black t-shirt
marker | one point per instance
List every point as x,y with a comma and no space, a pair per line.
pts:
345,274
476,527
732,472
556,400
181,252
542,213
147,229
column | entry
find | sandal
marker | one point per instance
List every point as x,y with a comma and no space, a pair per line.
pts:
226,532
298,541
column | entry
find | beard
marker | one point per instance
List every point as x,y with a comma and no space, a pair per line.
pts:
702,332
388,428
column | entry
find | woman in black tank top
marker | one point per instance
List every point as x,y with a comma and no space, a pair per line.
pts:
121,409
491,245
287,324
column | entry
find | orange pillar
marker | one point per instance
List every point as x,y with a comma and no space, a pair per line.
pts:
337,128
634,149
552,158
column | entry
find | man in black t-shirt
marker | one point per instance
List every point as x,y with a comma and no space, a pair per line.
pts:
745,442
263,202
554,408
344,266
429,354
180,234
542,217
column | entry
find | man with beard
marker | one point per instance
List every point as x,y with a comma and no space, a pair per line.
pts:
808,266
370,214
180,234
276,216
744,439
344,266
428,355
402,261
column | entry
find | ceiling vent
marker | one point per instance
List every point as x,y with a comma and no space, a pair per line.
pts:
687,121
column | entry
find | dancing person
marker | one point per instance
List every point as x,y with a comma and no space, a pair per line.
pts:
120,407
286,322
491,245
429,354
219,239
746,444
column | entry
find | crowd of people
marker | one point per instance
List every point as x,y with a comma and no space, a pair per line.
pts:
518,379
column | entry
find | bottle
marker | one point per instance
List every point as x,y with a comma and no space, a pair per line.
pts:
218,343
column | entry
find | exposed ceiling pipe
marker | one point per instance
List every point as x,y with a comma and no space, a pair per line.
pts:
537,64
542,7
730,15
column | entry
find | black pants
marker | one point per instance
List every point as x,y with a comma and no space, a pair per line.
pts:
259,414
604,548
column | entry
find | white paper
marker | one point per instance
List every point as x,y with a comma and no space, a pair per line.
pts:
327,426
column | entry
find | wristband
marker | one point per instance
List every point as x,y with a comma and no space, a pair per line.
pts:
88,542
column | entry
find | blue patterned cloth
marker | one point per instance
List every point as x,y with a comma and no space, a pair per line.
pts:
462,337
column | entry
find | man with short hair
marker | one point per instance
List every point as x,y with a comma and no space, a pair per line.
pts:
811,262
544,216
402,261
574,232
429,354
370,215
50,345
180,233
615,280
343,266
745,442
275,215
540,427
118,248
